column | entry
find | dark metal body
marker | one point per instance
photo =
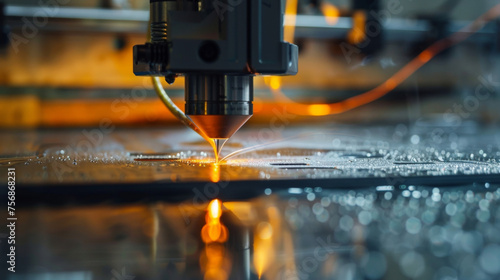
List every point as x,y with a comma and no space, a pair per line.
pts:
218,46
204,92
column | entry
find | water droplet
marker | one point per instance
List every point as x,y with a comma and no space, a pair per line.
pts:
388,195
490,258
374,265
365,217
451,209
346,223
412,264
413,225
415,139
311,196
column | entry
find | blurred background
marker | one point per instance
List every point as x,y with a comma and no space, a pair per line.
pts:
68,63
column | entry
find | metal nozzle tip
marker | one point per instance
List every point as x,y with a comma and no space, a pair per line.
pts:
219,126
218,143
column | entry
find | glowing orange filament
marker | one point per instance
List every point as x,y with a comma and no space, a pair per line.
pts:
215,209
214,230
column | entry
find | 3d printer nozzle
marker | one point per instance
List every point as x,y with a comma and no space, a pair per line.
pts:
219,104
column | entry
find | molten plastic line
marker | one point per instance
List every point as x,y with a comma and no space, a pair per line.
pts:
255,147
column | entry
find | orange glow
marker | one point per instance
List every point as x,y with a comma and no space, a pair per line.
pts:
20,110
215,274
291,13
257,104
331,13
275,83
318,109
263,247
261,254
215,173
214,209
425,56
357,33
215,262
266,236
214,230
264,230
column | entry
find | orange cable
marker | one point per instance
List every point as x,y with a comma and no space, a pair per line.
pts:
401,75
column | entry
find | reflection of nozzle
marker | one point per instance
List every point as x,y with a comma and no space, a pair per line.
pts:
219,104
236,246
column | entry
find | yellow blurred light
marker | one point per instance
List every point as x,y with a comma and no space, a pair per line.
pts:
264,230
24,110
214,209
214,230
275,83
215,274
291,14
260,260
331,13
244,211
257,104
357,33
266,80
215,262
215,252
215,173
318,109
263,254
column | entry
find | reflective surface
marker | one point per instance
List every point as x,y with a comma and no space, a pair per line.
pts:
411,232
390,154
392,202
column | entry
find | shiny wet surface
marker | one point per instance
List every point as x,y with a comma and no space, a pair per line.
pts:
334,203
152,155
